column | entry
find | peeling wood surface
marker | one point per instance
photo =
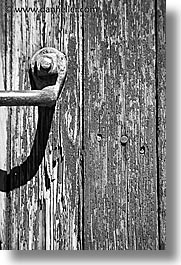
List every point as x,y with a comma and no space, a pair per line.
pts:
68,180
3,160
121,180
45,212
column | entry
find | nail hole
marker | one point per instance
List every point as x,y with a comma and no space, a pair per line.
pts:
99,137
142,150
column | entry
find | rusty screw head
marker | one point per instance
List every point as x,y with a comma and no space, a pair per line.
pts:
124,139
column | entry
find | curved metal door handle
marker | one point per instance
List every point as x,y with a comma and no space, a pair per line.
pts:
48,68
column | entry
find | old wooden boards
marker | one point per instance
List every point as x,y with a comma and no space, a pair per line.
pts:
121,202
89,174
43,174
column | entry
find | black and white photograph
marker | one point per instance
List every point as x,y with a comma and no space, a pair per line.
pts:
83,125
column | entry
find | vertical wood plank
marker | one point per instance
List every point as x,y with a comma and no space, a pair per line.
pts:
161,117
141,126
64,33
44,201
120,180
3,153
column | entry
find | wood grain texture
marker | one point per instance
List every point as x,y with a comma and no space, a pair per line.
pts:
88,174
44,205
121,204
3,156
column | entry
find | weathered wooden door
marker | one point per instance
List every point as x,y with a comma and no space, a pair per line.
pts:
91,173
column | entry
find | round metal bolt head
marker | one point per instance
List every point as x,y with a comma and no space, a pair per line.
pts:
124,139
46,62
